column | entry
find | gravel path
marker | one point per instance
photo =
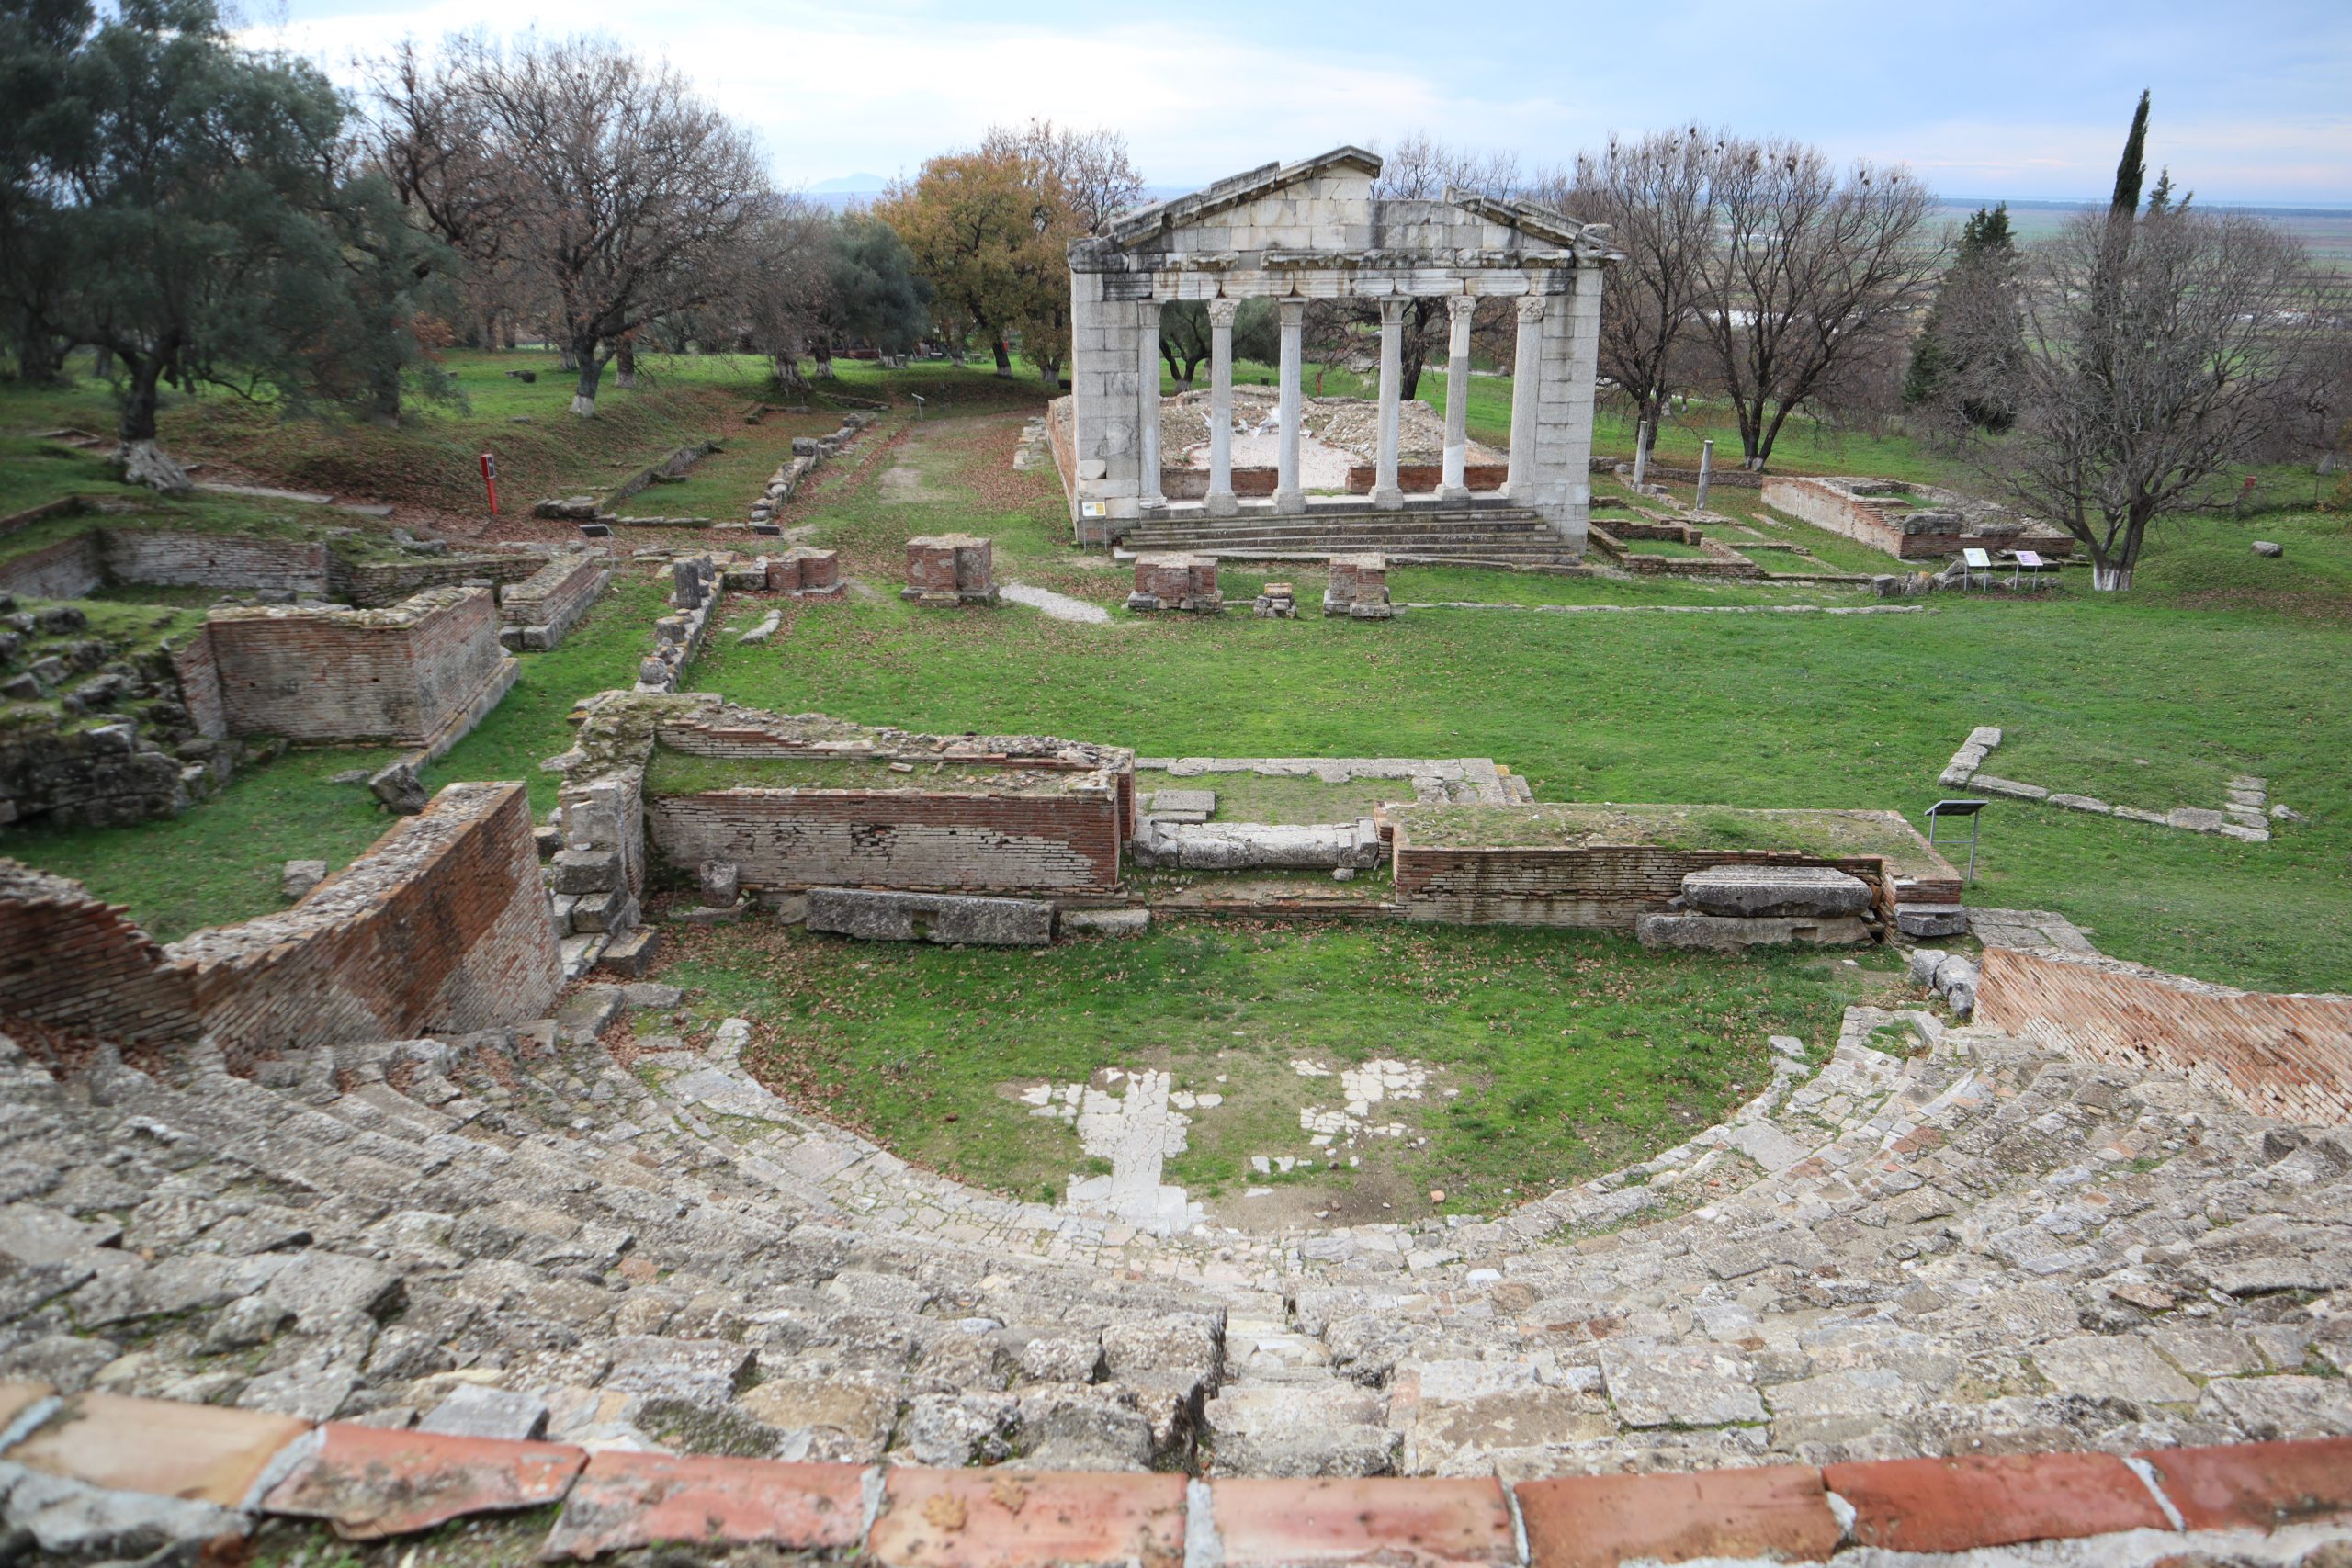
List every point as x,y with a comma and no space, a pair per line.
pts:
1061,606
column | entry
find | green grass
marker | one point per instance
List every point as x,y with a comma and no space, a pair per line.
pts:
1260,797
1575,1051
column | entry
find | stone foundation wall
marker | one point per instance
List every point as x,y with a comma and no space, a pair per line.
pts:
893,838
71,961
2284,1055
1928,532
379,584
70,568
343,675
173,557
1605,887
1425,477
200,677
555,595
442,925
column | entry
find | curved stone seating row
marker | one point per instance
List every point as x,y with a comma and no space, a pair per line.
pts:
1961,1246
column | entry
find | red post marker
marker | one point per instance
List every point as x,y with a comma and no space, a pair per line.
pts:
490,481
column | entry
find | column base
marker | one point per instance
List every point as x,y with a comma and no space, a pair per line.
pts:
1388,498
1455,495
1225,505
1289,501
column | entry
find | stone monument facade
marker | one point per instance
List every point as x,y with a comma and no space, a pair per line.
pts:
1313,230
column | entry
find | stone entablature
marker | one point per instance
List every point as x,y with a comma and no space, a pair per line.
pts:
1313,230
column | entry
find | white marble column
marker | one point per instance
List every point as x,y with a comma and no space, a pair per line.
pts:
1220,502
1148,404
1456,486
1385,491
1527,370
1288,494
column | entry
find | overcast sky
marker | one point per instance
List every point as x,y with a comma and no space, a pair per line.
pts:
1992,97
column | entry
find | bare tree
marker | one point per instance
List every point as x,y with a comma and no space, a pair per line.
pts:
1421,169
429,133
785,290
634,193
1809,272
2144,355
1089,169
1656,194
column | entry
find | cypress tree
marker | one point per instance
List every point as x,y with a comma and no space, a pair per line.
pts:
1980,263
2130,169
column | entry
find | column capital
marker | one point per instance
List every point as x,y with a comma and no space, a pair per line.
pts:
1221,311
1392,309
1292,311
1461,307
1531,307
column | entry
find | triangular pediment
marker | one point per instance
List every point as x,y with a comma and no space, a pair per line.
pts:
1144,223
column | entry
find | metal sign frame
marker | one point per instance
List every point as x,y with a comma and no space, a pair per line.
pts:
1973,810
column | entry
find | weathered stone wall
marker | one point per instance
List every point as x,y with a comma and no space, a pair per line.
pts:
377,584
70,568
2284,1055
1952,523
556,594
199,678
178,557
71,961
1605,887
442,925
337,675
894,839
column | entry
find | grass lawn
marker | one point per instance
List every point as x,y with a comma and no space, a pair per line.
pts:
1573,1053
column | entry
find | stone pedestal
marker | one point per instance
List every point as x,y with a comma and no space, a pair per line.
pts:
1276,601
806,572
1359,587
1185,582
949,569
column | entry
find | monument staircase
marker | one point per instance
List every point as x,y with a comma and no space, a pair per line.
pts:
1935,1241
1476,534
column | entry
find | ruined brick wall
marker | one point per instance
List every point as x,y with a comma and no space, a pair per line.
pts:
442,925
74,961
198,673
336,675
376,584
70,568
2284,1055
555,594
172,558
891,839
1604,887
1422,478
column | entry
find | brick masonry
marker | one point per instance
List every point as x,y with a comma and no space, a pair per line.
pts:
443,924
371,1482
377,584
333,674
544,605
2283,1055
177,558
71,961
70,568
1831,504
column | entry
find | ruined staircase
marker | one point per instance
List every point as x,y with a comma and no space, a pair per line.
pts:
1483,535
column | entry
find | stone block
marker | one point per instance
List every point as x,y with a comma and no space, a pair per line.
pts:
299,877
946,919
631,954
1751,891
1185,582
1932,919
1105,923
1359,587
719,881
585,871
1727,933
1183,805
473,1410
399,789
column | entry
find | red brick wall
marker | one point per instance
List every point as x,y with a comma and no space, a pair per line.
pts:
381,584
1425,477
886,838
2282,1055
66,569
1605,887
173,557
442,925
76,963
334,676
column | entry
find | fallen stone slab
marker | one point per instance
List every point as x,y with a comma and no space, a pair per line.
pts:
1105,923
1252,846
948,918
474,1410
1729,933
1751,891
1932,919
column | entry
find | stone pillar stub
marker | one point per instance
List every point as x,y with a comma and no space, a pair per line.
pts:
1527,375
1385,491
1288,494
1455,484
1147,402
1220,502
